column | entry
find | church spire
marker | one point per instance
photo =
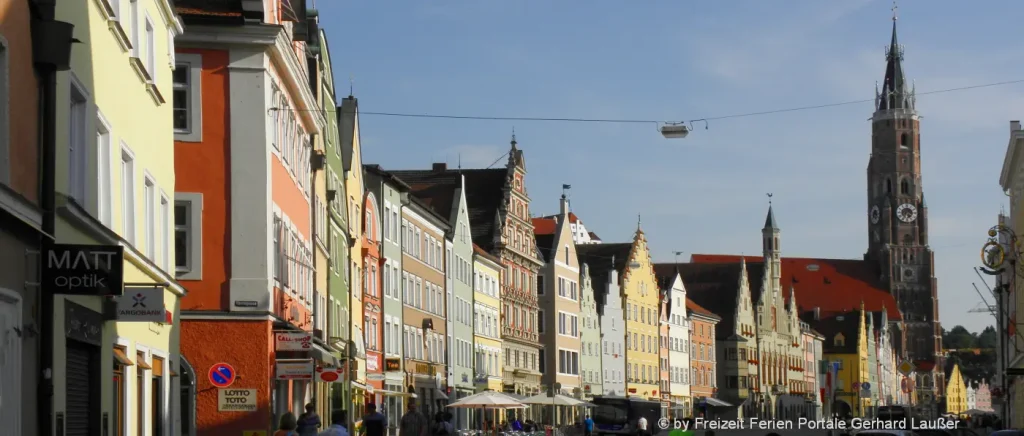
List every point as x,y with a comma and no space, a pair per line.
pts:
895,92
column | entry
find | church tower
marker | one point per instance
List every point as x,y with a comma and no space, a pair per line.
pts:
897,214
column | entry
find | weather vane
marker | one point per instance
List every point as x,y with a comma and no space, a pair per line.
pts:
894,9
769,198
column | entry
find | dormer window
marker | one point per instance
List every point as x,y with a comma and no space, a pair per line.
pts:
839,340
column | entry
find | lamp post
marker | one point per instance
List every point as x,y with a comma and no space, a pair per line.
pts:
994,258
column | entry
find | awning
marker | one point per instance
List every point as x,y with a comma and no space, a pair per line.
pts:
441,395
358,385
323,355
715,402
122,358
390,393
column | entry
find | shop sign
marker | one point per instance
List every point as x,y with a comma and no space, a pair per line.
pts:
141,305
96,270
375,376
372,362
293,341
295,369
329,374
425,369
392,364
236,400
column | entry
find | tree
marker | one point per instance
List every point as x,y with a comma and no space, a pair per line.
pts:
988,338
958,338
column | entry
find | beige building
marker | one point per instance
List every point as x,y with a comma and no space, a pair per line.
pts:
1011,180
558,319
423,297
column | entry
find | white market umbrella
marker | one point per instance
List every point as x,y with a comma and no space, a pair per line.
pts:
558,400
488,400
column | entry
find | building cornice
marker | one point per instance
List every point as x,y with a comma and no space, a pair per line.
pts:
282,56
1010,173
167,12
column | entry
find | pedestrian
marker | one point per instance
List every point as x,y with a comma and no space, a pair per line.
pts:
309,422
413,422
442,427
339,419
374,423
641,426
588,426
286,425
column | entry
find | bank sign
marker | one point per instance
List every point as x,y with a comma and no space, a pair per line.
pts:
141,305
83,269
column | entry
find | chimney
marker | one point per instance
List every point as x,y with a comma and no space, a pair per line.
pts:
440,167
564,210
1014,126
817,313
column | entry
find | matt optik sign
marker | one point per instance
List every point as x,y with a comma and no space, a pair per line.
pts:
84,269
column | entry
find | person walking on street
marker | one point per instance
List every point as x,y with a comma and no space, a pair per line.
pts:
339,418
413,422
442,427
374,423
588,426
286,425
641,426
309,422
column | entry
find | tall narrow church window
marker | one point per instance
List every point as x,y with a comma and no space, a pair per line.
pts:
773,319
903,140
888,186
905,187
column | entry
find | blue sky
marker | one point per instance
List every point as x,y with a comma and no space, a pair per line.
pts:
676,60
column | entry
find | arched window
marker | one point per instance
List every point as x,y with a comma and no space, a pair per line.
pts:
904,140
905,187
888,186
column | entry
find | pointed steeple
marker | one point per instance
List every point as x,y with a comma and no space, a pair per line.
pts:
769,222
895,92
792,300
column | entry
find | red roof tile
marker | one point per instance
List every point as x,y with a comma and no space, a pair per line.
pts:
543,226
485,254
833,285
696,308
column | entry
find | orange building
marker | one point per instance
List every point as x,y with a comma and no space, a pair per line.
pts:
243,117
373,269
21,218
703,382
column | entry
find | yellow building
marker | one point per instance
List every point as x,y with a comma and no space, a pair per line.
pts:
846,342
354,190
321,233
641,294
486,328
956,392
115,183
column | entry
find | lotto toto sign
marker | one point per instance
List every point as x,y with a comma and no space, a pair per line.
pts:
236,400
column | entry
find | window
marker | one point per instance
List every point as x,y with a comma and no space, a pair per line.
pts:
150,53
77,153
156,404
120,402
133,22
149,217
103,175
127,194
188,234
187,100
140,391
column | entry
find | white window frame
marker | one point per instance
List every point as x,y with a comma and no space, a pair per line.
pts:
78,144
194,268
133,33
128,384
150,61
104,171
128,201
149,200
194,93
166,230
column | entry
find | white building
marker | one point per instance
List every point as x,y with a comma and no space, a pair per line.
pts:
679,339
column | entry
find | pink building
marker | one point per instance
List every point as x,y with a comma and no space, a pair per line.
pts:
983,397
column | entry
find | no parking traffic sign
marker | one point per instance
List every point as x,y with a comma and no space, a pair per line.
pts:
222,375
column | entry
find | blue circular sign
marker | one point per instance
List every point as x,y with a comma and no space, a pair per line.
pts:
222,375
865,386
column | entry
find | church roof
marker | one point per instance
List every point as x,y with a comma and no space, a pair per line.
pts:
832,285
769,222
